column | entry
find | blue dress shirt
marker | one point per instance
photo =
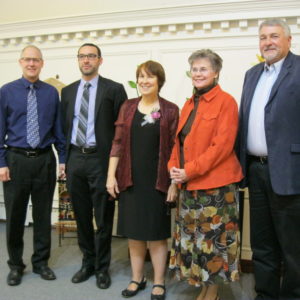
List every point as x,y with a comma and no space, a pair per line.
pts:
13,117
90,135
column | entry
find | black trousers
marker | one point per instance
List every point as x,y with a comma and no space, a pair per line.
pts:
275,237
86,184
33,177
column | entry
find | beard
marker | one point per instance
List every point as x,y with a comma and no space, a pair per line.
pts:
91,71
271,57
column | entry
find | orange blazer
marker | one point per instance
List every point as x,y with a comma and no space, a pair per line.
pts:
210,160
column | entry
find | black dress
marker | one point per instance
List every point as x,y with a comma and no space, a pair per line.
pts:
143,214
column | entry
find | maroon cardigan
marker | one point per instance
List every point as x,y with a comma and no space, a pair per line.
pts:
121,143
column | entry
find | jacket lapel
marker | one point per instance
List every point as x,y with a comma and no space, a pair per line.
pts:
283,72
185,114
72,99
163,112
132,109
101,91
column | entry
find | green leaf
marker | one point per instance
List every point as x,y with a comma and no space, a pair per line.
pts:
132,84
188,74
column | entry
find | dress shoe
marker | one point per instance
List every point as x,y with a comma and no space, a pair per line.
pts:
14,277
140,286
103,280
83,274
45,272
161,296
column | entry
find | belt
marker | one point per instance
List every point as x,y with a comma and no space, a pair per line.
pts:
262,159
83,150
29,152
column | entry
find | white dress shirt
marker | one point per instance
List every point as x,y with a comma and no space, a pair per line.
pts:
256,140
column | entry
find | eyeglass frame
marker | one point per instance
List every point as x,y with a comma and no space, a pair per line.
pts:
90,56
200,70
33,59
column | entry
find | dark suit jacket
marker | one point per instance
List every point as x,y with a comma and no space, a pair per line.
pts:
121,144
282,125
109,98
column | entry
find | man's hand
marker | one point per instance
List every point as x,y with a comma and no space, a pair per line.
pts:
61,172
4,174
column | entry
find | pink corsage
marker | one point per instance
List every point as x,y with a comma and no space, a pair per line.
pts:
152,117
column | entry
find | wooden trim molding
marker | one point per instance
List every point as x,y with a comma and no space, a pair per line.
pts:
221,18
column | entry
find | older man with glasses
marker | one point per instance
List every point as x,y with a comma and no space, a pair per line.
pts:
29,126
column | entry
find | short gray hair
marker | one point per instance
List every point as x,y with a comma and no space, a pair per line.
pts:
214,59
277,22
31,46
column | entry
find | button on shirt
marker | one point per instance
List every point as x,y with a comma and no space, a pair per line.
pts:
13,117
90,134
256,140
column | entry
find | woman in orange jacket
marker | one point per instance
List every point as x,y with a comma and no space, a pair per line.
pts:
203,164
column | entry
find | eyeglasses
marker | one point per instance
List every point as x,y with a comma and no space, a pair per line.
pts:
90,56
33,59
200,70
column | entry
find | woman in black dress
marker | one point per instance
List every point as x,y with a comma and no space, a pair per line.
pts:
145,132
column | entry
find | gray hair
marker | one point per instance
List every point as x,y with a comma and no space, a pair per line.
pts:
277,22
31,46
214,59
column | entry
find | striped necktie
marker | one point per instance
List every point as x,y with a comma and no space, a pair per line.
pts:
33,136
83,116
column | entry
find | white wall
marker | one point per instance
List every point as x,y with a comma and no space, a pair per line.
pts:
40,10
130,32
168,34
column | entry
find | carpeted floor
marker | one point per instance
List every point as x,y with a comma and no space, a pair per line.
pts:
65,261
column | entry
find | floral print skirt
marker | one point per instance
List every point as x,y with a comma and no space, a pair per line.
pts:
206,245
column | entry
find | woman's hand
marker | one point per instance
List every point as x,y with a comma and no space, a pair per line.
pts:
178,175
112,186
172,192
111,182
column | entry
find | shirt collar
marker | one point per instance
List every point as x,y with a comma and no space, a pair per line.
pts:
93,82
27,83
210,95
276,66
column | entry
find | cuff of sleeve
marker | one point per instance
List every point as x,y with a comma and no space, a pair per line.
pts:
62,159
190,170
115,152
3,164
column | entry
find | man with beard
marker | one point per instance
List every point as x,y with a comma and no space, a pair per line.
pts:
90,108
269,151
